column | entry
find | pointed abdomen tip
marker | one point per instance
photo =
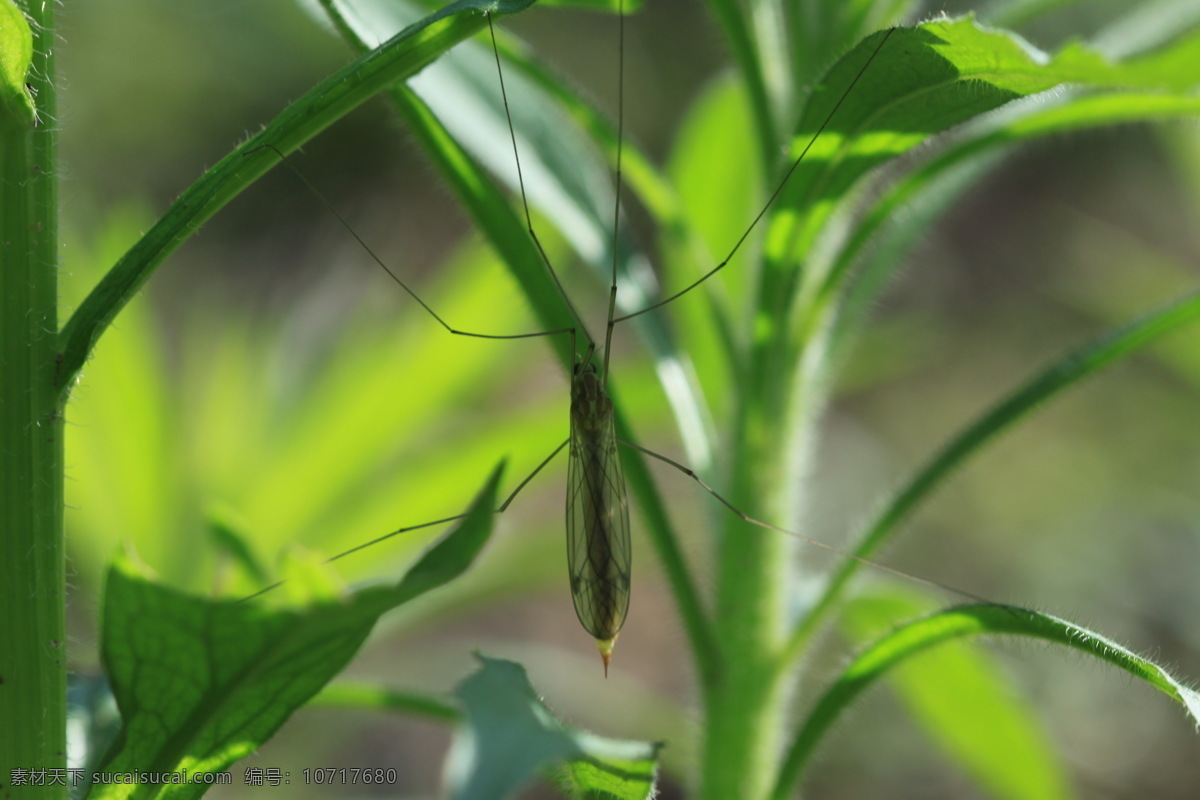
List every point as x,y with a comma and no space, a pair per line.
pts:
606,647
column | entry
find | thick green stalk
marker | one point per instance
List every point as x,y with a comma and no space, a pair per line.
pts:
746,709
32,602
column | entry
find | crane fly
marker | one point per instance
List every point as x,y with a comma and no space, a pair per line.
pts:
599,555
597,511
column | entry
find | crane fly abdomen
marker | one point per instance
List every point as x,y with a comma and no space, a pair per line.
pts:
598,548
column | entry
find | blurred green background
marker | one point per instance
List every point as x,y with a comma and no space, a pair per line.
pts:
248,378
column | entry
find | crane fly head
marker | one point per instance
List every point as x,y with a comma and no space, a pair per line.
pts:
586,374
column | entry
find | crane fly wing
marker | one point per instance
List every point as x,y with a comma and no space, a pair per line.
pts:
598,546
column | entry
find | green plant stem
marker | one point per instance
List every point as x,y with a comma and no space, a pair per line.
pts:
745,708
33,676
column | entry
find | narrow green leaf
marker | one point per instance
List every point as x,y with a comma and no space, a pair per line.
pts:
640,175
1000,741
453,554
1015,13
612,6
915,637
401,57
655,192
744,46
368,697
228,532
1060,375
16,52
202,683
300,474
710,185
511,736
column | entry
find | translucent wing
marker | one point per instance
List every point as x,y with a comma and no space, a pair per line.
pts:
598,551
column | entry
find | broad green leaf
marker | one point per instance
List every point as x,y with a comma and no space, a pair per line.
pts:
999,740
815,47
922,81
510,737
202,683
893,222
16,52
928,190
912,638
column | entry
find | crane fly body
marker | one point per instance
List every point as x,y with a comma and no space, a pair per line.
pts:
599,558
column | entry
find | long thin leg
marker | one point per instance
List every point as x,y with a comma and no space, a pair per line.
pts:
774,195
815,543
512,134
503,507
612,289
379,261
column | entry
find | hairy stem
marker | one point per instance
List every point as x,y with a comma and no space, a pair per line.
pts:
33,674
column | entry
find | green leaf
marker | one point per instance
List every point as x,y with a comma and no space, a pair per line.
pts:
369,697
710,185
511,736
628,6
401,57
1000,740
202,683
640,177
1060,375
16,52
897,219
916,637
228,532
922,81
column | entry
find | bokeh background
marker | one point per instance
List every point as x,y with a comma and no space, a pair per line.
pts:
270,371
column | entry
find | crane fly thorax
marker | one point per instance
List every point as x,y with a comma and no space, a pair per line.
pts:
591,408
